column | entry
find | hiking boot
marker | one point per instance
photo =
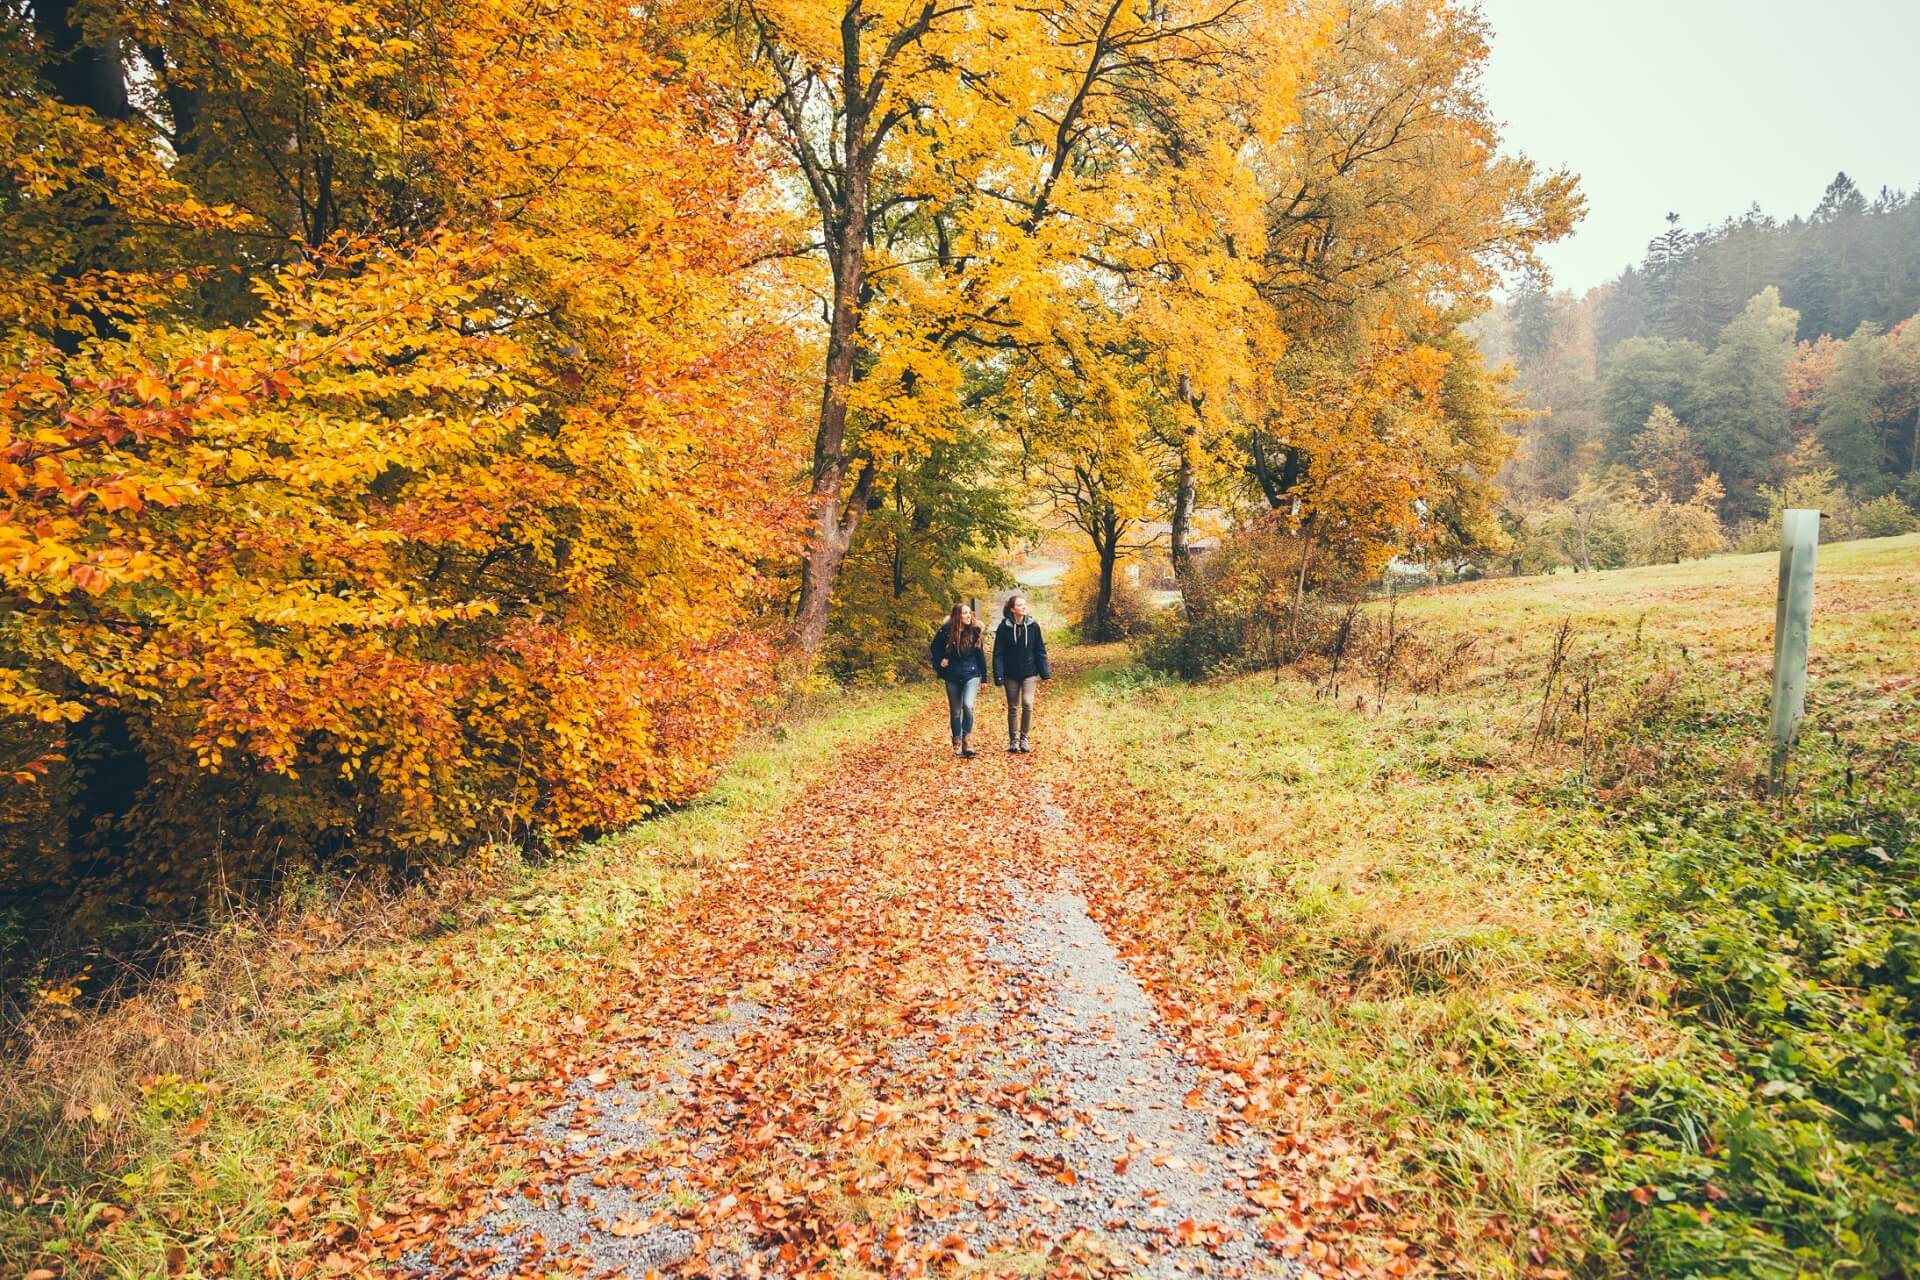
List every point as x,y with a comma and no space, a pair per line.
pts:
966,748
1025,746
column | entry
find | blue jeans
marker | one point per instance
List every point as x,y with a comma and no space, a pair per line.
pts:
961,695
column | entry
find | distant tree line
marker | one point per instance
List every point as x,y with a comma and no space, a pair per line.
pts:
1755,365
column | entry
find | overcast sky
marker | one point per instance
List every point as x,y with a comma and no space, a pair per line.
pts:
1703,107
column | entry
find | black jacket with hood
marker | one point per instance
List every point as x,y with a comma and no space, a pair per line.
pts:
1020,651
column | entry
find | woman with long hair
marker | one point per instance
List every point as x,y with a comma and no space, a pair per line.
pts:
960,660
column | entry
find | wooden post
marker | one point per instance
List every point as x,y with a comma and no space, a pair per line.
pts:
1792,629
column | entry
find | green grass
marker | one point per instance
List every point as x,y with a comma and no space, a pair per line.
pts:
1866,597
324,1046
1584,984
1427,933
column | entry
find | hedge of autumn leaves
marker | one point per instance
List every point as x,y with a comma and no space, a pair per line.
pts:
390,440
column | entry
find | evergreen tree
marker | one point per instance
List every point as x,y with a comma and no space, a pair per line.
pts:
1533,322
1852,417
1663,268
1741,421
1641,375
1619,310
1829,289
1850,260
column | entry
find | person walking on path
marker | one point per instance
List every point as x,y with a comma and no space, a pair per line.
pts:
960,659
1019,665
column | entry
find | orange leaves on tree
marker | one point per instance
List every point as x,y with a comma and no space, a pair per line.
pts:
436,511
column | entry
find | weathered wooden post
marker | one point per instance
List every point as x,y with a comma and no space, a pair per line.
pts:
1792,629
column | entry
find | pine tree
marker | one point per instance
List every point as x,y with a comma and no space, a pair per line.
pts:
1665,260
1532,312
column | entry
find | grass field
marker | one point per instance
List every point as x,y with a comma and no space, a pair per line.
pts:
1594,1004
1867,601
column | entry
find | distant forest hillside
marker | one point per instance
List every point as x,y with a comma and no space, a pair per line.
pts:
1734,370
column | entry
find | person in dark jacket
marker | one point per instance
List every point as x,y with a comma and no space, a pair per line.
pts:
1019,665
960,660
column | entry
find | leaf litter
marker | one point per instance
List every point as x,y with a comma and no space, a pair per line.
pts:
890,1039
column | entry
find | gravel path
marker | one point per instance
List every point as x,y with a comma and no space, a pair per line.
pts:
905,1053
1116,1141
589,1205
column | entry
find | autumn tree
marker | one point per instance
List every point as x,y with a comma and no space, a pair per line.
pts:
1554,377
1666,457
1390,213
1667,529
1081,408
360,448
952,156
1676,514
939,532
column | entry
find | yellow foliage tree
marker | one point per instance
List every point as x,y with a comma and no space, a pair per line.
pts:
1391,213
390,435
957,158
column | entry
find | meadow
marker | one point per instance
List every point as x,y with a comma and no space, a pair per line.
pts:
1592,1001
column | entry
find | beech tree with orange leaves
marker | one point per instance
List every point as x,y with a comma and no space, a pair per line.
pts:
392,435
398,399
1391,214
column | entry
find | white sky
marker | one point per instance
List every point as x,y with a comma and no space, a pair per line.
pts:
1703,107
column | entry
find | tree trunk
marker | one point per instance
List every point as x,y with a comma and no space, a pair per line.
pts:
1278,485
1180,529
1185,494
1104,530
1103,605
81,75
1299,598
1263,472
834,523
110,767
820,568
110,770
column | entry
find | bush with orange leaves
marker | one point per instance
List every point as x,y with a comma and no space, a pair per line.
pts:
391,432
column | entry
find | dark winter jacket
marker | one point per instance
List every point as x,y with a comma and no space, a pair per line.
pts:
971,665
1019,652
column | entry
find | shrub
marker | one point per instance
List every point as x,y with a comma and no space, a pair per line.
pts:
1252,612
1756,536
1666,531
1884,517
1129,611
